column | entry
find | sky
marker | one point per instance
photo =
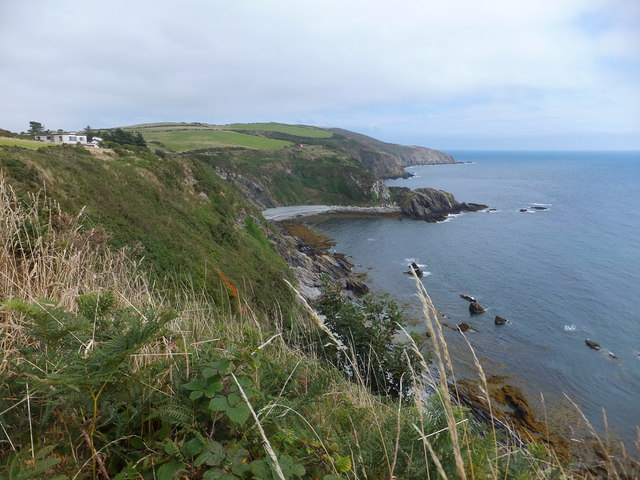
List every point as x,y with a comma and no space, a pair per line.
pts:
448,74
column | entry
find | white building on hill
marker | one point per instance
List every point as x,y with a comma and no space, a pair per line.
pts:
62,137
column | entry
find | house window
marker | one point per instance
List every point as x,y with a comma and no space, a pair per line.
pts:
72,138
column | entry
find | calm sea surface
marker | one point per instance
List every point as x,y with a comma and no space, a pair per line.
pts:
562,275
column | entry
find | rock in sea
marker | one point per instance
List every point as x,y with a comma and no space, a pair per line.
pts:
415,268
500,320
475,307
592,344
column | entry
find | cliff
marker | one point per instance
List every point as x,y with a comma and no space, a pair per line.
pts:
387,160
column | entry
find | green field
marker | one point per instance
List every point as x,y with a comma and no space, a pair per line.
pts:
297,130
18,142
185,138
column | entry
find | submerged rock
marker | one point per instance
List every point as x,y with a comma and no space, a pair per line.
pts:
539,208
592,344
500,320
524,210
475,307
468,298
463,327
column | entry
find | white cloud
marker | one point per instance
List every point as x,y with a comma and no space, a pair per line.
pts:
490,68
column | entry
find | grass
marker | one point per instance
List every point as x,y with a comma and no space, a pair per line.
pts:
18,142
175,213
296,130
182,140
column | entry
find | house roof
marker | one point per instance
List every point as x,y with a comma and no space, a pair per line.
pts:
60,133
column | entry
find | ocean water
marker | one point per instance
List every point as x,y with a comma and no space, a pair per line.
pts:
560,275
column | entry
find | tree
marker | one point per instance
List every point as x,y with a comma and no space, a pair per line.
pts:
35,128
88,131
124,137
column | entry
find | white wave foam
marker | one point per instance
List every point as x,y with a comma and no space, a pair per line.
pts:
409,261
541,204
371,239
570,328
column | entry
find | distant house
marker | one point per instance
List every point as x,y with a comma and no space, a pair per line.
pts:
95,142
60,137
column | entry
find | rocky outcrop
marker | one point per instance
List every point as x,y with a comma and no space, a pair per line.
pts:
355,286
415,268
309,255
592,344
475,308
432,205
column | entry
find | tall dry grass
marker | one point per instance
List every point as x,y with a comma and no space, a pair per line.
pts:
47,255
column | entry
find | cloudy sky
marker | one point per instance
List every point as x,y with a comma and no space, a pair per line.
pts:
450,74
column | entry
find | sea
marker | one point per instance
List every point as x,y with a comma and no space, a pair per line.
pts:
562,273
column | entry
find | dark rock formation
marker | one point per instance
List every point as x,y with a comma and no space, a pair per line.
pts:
463,327
468,298
357,287
500,320
415,268
431,205
524,210
592,344
539,208
475,307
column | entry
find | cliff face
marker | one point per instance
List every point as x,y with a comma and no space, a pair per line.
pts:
387,159
432,205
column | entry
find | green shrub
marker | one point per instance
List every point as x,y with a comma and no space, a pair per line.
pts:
369,332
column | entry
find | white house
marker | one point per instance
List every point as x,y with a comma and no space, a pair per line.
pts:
95,143
62,137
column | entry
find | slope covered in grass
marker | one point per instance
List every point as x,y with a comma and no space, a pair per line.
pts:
20,142
303,131
183,137
176,213
309,175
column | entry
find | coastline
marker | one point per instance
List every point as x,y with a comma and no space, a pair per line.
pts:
510,408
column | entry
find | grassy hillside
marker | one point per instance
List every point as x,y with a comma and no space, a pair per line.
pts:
176,213
20,142
294,130
183,137
309,175
385,159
